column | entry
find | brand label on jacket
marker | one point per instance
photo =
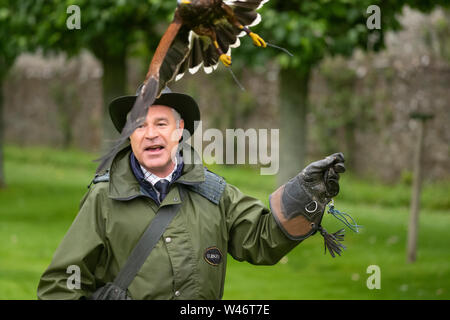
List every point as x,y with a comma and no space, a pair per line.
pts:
213,256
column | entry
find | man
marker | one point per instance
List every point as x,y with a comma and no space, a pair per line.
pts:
214,218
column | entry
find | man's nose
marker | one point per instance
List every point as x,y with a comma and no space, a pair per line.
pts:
151,132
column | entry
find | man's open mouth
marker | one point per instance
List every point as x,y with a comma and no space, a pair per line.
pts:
154,149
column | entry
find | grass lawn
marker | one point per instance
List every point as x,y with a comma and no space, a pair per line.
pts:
45,187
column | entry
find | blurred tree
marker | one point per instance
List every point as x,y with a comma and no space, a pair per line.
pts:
111,29
437,36
312,30
15,38
67,99
345,107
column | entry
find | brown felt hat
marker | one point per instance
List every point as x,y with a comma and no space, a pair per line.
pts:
184,104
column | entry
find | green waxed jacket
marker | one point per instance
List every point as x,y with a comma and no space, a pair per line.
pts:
113,215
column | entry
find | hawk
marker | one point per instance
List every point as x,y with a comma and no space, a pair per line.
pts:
201,35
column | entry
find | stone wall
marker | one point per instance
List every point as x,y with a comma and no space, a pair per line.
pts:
410,75
54,102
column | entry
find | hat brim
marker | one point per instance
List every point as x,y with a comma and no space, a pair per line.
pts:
185,105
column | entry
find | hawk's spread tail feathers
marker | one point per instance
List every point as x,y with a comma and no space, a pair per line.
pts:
202,53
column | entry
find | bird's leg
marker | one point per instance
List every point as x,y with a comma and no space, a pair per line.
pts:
257,40
226,59
211,33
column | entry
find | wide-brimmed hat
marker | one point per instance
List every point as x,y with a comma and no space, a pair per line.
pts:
184,104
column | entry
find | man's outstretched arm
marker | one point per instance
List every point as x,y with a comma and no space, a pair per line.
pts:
261,235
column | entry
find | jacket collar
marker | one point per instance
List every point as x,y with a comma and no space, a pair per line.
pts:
123,184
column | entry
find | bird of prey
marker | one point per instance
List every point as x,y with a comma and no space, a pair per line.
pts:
201,35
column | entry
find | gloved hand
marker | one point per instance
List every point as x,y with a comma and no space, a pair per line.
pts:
298,206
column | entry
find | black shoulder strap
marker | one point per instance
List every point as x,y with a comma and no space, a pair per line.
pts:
212,188
146,244
103,177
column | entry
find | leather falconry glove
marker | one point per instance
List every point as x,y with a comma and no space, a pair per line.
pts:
299,205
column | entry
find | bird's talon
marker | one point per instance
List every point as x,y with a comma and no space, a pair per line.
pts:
226,60
257,40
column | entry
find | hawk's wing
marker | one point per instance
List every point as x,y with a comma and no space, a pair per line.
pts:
176,55
202,52
245,10
187,51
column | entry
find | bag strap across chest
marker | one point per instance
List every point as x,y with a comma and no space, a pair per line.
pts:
146,244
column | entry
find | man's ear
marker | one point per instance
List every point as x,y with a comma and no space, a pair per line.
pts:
177,134
181,126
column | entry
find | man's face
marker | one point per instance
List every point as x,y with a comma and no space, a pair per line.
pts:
155,142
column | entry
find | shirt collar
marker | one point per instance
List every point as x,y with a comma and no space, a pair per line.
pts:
127,180
152,178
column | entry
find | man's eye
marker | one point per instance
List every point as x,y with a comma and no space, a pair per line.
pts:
162,124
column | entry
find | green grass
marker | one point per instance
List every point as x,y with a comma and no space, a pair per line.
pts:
45,187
